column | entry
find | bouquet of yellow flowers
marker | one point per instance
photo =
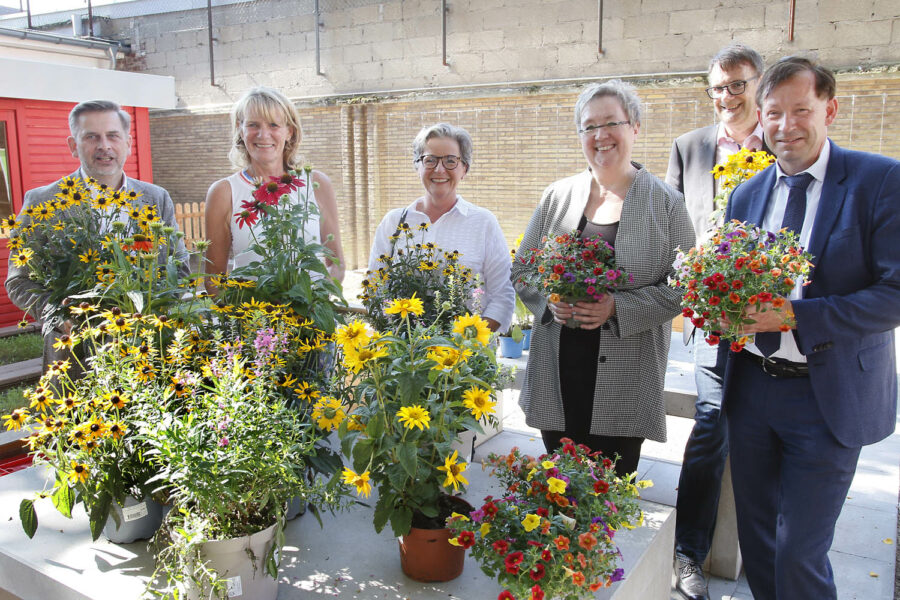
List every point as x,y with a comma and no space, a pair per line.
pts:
92,241
737,168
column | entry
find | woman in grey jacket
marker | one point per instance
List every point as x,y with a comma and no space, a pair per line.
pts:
602,383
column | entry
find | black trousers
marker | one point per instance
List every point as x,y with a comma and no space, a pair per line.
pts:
578,353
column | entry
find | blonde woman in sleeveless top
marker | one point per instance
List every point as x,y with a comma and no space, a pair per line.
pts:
266,139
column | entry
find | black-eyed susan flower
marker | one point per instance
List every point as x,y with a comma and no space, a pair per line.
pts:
307,392
22,257
80,472
15,419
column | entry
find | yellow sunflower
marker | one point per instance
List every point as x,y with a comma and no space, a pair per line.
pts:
352,334
414,416
478,401
472,327
454,470
327,413
404,306
361,481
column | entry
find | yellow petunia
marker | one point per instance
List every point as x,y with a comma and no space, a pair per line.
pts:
478,401
472,327
404,306
556,486
531,522
414,416
454,470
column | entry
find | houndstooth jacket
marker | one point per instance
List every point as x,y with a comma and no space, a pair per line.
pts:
628,396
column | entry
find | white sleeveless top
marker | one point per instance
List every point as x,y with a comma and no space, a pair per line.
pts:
241,191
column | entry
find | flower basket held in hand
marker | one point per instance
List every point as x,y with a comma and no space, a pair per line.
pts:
551,534
571,268
737,268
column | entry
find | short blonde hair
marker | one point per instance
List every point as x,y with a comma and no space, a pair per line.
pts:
271,105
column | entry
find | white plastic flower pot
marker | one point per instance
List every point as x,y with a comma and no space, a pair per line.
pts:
241,563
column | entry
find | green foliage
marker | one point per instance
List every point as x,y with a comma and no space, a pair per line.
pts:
17,348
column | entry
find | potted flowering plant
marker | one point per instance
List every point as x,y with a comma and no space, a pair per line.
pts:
738,267
289,269
552,532
230,452
405,400
570,267
424,271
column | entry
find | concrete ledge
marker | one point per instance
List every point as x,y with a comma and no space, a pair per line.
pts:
343,559
16,373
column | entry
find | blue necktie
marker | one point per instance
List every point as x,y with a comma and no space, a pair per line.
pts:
769,341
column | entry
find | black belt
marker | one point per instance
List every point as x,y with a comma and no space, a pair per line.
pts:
777,367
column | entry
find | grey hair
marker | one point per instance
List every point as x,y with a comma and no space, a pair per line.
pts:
444,130
737,54
624,92
97,106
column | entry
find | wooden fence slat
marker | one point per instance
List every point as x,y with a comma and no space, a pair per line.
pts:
189,216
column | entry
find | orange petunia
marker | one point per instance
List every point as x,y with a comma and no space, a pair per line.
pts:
778,302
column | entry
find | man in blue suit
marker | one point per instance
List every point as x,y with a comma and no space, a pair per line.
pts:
801,404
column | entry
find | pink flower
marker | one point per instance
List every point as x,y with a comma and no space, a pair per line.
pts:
223,442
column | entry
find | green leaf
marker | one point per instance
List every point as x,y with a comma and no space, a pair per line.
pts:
408,458
28,516
362,453
375,427
64,499
99,513
383,509
401,520
397,475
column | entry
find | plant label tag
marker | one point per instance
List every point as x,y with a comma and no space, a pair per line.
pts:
233,587
132,513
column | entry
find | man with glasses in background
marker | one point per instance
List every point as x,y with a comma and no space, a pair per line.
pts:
733,78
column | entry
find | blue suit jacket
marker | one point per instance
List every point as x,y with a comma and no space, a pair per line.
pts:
847,315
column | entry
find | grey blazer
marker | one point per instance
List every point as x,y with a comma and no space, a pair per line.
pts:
30,296
628,397
693,157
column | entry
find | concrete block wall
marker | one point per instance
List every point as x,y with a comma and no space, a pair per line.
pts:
523,140
369,46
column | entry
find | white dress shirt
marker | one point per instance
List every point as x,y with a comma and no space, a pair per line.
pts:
476,234
772,222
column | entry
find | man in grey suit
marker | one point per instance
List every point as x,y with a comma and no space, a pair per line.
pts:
733,78
101,141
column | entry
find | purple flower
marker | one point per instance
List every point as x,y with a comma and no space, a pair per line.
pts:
569,277
724,248
618,575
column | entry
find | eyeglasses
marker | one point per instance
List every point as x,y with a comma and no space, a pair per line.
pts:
592,129
431,162
735,88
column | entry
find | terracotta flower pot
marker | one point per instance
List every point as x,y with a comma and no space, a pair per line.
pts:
426,555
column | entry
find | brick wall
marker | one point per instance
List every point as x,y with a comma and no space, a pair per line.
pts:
524,140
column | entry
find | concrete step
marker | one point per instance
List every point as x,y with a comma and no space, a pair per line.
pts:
20,372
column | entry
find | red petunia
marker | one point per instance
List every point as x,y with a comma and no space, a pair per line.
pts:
501,547
542,512
466,539
578,578
546,555
737,284
537,573
512,562
714,300
687,312
559,269
601,487
736,346
490,509
506,595
713,340
537,593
